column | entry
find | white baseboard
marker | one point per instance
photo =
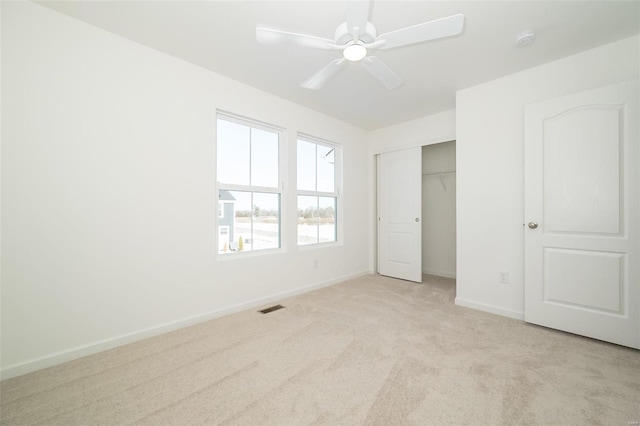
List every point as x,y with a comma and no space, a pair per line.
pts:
103,345
439,273
490,308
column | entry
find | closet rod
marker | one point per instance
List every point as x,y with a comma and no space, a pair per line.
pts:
438,173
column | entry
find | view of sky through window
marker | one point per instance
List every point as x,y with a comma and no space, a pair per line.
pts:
316,169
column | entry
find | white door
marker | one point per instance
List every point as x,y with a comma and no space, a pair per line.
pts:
582,215
399,214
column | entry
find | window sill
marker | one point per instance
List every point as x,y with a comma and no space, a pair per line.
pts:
249,254
320,245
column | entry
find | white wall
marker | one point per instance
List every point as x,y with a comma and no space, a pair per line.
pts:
490,159
108,199
427,130
439,209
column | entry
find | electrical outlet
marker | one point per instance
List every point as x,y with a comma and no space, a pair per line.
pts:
503,277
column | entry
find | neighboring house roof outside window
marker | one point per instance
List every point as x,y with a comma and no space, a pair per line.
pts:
224,195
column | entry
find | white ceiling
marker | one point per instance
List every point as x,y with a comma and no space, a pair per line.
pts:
220,36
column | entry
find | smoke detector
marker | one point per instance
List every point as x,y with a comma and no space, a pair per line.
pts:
526,38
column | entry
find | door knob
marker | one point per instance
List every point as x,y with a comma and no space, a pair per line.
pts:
417,219
533,225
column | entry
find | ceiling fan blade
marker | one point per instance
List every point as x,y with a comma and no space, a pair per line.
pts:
438,28
321,77
383,73
269,36
357,16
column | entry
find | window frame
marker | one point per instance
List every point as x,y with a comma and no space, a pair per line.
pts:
279,190
337,193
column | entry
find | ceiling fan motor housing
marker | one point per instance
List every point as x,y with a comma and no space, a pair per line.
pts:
342,35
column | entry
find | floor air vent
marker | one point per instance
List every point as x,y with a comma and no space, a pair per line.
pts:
271,309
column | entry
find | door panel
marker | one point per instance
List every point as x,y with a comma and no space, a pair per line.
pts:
567,272
400,247
582,189
399,214
581,157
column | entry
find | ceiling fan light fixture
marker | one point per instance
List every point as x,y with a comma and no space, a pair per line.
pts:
354,52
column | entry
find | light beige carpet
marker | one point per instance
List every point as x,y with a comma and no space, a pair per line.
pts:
373,351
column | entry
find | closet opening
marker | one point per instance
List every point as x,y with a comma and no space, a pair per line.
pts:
439,213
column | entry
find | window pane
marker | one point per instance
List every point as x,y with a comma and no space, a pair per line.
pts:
327,219
251,221
326,173
236,223
264,158
306,166
266,221
233,153
307,220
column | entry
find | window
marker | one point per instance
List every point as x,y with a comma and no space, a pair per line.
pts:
318,176
249,185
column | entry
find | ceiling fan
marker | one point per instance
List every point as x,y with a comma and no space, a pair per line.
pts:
357,36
